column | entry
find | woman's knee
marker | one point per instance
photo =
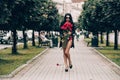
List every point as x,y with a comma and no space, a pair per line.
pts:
66,53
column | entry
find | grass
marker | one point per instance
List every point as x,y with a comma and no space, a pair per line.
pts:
9,62
112,54
109,52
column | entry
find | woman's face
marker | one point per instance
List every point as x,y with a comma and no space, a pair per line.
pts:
67,18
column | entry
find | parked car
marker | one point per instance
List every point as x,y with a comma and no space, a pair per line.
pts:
7,37
1,39
20,36
1,36
29,34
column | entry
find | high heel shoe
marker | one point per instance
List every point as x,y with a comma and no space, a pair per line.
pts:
66,70
70,66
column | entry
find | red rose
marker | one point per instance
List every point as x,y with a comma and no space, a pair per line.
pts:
66,26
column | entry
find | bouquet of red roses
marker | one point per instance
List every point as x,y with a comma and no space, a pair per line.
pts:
66,27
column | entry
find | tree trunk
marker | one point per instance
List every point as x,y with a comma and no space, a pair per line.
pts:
24,39
116,40
14,47
97,39
107,38
33,39
39,38
101,38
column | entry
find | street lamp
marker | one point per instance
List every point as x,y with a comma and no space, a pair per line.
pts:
63,7
66,7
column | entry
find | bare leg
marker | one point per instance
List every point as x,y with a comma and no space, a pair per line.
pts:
67,51
65,58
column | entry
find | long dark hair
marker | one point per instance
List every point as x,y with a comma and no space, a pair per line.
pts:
70,17
71,20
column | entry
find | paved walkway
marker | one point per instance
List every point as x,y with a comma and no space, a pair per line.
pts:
87,65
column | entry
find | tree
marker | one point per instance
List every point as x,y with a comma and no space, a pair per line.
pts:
4,15
27,14
112,17
101,16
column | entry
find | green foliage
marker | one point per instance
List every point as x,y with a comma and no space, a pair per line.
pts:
49,17
100,15
28,14
4,12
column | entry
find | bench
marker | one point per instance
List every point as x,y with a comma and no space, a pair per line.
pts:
44,43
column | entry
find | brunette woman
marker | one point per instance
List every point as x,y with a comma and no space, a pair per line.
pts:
67,39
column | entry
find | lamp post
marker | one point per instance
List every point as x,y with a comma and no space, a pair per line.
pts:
63,7
66,7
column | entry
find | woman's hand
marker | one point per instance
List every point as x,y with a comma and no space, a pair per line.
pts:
69,32
64,34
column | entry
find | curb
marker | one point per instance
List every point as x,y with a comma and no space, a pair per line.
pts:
12,74
113,65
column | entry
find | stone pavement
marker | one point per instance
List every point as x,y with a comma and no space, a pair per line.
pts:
87,65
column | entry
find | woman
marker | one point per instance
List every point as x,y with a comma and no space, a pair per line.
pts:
77,34
67,38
